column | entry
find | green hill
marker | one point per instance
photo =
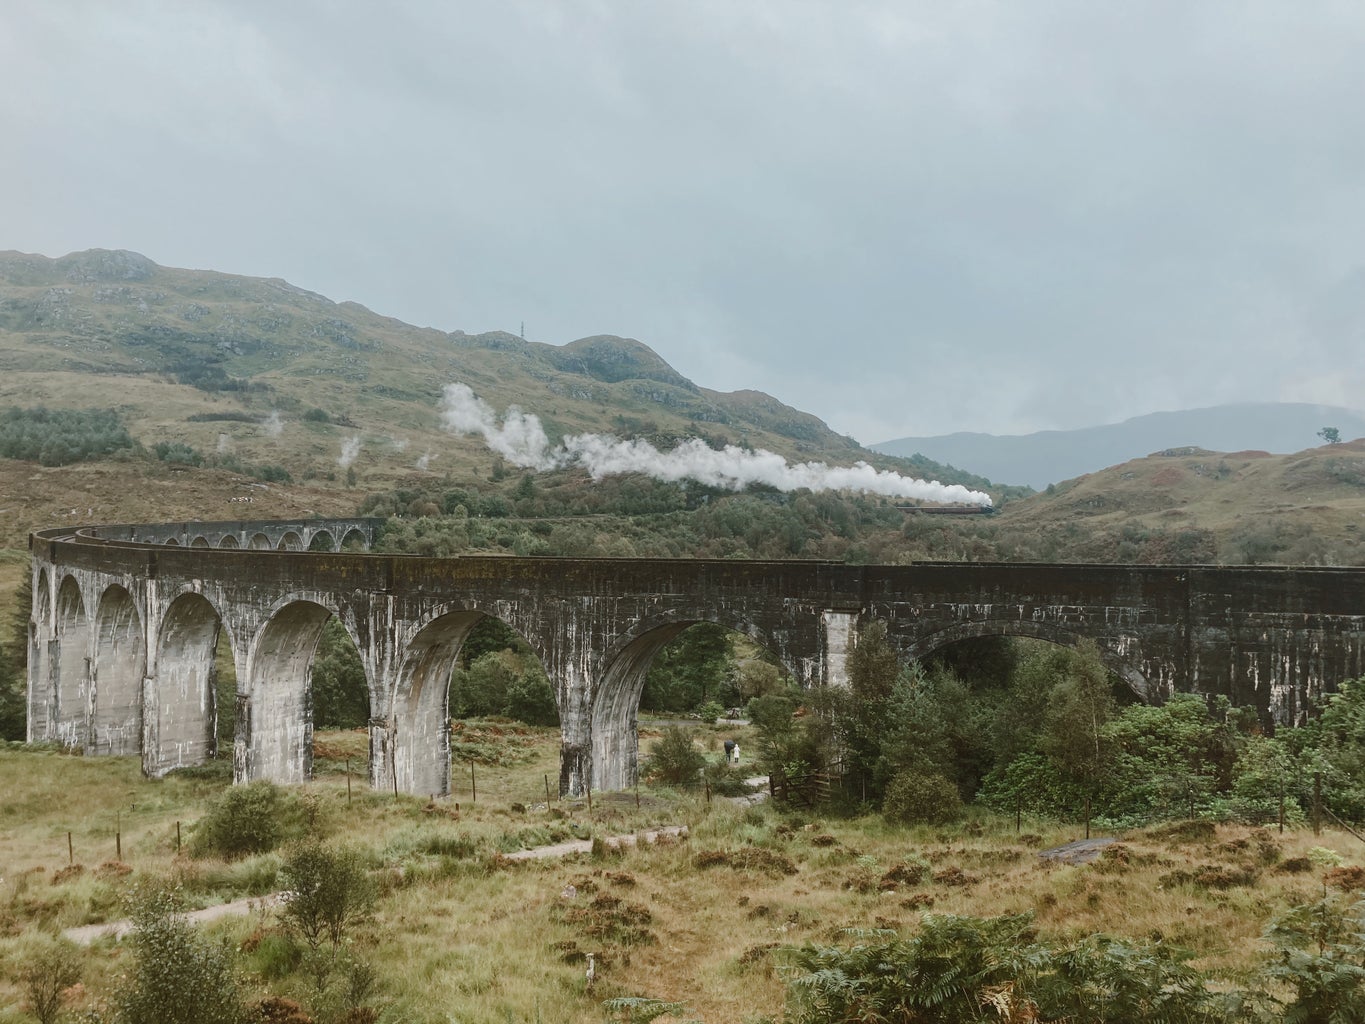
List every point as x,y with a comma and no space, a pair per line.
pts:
191,355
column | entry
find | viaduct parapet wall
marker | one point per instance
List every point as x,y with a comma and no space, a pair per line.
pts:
126,619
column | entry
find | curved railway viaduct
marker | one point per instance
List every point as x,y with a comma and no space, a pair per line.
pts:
126,618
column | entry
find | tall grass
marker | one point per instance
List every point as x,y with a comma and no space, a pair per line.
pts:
459,933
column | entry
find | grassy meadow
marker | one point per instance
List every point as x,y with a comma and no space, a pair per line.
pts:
461,934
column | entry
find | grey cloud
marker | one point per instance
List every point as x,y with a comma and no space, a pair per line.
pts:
904,217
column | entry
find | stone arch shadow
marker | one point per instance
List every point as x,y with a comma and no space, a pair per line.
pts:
1112,650
117,669
180,712
41,691
412,750
273,738
71,666
614,750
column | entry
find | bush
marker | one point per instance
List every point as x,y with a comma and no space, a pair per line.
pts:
915,799
177,453
674,760
45,973
710,711
177,977
329,890
245,819
962,970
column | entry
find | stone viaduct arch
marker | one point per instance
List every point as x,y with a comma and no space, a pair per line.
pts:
126,619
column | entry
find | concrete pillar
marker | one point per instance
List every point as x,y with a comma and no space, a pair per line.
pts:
614,736
575,743
381,754
839,631
241,741
280,732
70,717
179,710
42,688
116,677
415,735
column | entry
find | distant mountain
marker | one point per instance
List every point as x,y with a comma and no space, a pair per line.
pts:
1051,456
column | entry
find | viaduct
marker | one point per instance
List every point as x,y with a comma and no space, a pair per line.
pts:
125,622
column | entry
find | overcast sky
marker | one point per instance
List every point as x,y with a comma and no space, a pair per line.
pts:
906,218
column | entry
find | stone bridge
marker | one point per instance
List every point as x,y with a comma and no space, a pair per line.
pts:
126,620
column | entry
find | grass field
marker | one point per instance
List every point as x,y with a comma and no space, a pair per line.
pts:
461,934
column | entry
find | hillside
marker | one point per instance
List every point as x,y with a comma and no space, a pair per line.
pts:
205,358
1050,456
253,374
1193,505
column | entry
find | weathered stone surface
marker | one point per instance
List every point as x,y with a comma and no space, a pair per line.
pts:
125,620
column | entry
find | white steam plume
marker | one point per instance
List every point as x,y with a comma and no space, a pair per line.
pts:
272,424
521,440
400,444
224,444
350,449
424,461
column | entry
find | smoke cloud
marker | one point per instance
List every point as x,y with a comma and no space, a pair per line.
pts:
424,461
350,450
520,439
224,444
272,424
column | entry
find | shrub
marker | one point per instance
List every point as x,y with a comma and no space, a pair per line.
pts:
915,799
329,890
674,760
177,976
710,711
44,974
960,970
727,780
245,819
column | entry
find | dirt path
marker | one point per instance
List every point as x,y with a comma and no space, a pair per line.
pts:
89,933
1082,851
585,845
86,934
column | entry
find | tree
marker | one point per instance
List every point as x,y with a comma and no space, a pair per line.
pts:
341,696
691,670
1338,735
13,698
44,976
329,890
14,664
1081,704
1330,434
